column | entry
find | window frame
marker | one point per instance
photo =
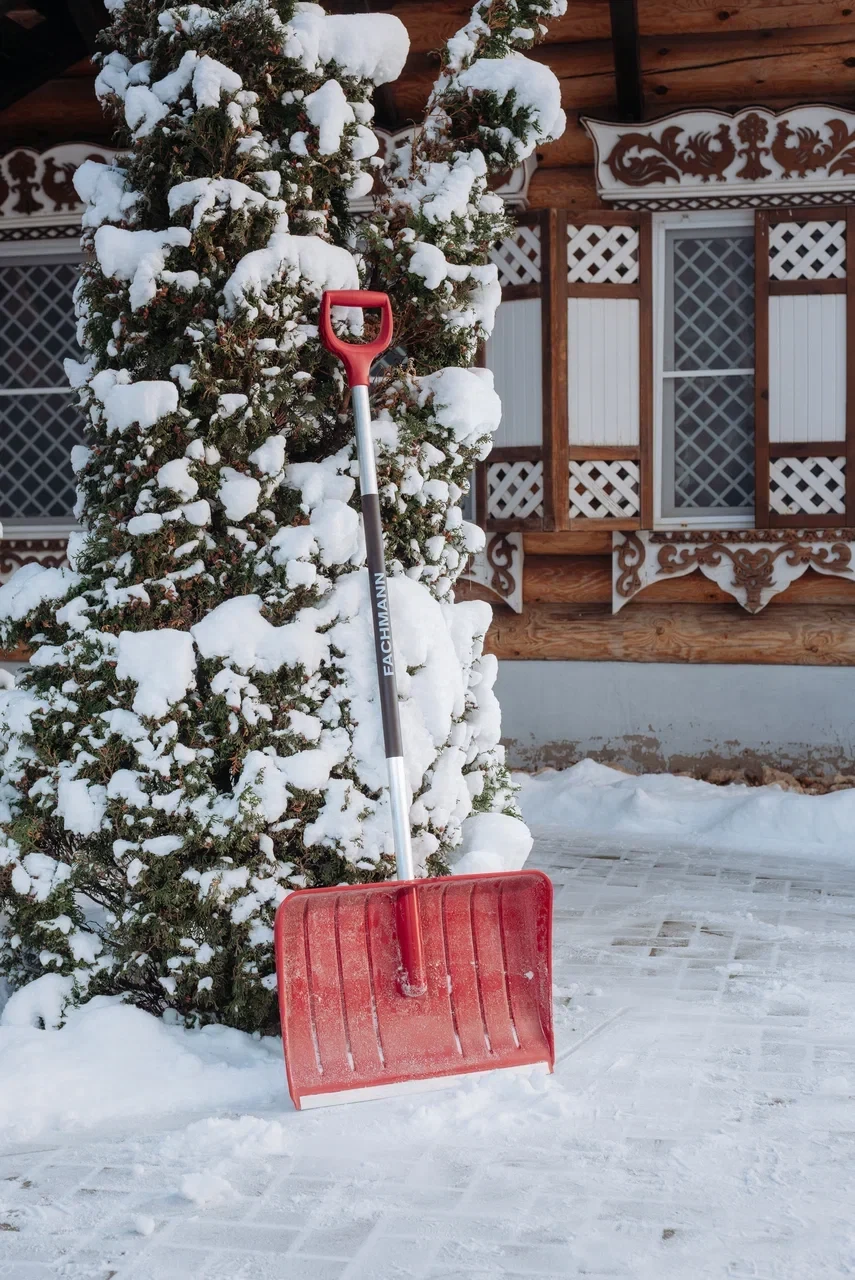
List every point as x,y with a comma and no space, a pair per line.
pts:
662,223
36,252
549,223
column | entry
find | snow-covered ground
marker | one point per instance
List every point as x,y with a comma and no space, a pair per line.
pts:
700,1123
596,800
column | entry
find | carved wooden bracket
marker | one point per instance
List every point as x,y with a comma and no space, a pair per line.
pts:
499,569
752,565
698,159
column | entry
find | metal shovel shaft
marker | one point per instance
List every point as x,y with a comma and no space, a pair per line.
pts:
408,914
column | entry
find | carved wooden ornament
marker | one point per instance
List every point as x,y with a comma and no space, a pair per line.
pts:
38,187
512,187
693,159
499,568
752,565
16,552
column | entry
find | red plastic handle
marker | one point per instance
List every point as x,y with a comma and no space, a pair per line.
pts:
357,358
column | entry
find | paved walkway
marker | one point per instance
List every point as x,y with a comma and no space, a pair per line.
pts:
700,1124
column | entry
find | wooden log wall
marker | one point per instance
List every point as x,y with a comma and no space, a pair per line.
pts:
568,615
693,53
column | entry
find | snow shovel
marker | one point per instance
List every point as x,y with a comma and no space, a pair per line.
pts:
410,983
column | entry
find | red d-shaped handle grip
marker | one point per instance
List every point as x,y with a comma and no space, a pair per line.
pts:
357,358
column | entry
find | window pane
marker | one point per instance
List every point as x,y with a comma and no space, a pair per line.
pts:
36,322
708,413
514,356
713,442
36,435
713,301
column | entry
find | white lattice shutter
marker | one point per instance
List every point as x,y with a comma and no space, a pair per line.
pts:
608,293
511,483
804,410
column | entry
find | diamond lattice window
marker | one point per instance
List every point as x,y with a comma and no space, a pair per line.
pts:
807,250
515,489
518,257
602,255
808,486
38,421
708,378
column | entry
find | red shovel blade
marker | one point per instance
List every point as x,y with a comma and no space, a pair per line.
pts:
346,1025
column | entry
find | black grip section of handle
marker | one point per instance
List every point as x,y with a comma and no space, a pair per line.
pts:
379,591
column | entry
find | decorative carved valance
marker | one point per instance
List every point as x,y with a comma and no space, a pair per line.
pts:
38,200
513,187
37,196
16,552
499,569
752,565
702,159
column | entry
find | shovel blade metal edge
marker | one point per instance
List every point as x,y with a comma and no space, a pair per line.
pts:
346,1024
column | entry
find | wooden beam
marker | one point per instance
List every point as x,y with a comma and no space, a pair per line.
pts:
587,542
30,57
791,636
63,110
574,189
689,17
554,395
626,51
89,17
727,69
587,579
430,25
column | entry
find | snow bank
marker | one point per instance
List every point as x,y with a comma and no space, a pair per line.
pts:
592,798
114,1063
492,842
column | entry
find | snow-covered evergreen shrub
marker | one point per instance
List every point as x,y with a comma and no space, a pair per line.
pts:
197,733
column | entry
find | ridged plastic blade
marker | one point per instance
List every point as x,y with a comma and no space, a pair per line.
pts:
347,1025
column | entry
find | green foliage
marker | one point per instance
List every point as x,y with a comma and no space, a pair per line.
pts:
148,842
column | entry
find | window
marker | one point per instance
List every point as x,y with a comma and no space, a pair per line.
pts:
706,382
690,370
38,421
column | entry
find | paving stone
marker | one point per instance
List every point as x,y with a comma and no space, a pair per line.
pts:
703,1014
257,1236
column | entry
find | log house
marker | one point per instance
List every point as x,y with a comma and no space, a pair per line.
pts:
670,504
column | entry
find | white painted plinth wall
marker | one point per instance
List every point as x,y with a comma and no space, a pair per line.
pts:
677,716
